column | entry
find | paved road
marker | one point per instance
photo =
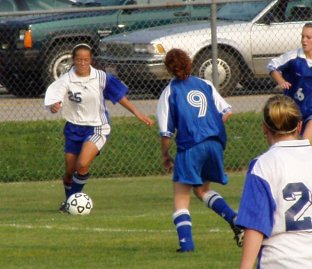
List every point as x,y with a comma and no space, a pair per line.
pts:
19,109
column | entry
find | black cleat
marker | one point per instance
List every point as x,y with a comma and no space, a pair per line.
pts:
238,234
63,208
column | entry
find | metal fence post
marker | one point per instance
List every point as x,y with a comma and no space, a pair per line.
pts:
214,46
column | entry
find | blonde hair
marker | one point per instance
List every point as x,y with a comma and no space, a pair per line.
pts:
281,115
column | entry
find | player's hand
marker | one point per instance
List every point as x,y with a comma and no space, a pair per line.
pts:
56,107
168,163
147,120
285,85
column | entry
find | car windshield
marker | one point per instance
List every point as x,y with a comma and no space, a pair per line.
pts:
48,4
241,11
60,4
99,2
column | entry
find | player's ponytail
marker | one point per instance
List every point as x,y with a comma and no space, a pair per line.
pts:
281,115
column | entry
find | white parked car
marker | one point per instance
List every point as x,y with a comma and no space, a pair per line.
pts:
249,34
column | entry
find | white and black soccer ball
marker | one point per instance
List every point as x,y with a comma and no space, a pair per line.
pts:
79,204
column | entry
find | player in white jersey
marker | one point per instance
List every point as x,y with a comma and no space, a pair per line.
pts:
80,94
275,207
292,72
194,110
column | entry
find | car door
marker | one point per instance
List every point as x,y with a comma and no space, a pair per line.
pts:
142,18
278,31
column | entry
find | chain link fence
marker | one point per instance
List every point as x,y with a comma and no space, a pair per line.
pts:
130,39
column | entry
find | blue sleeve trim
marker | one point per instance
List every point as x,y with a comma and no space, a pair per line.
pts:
167,134
114,89
257,205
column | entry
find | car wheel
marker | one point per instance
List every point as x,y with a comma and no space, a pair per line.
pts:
228,70
58,63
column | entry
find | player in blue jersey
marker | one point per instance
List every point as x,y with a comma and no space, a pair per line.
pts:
292,72
192,109
80,94
275,207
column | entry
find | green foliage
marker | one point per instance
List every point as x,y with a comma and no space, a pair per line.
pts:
245,140
34,150
129,227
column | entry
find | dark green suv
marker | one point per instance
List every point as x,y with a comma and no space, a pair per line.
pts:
8,6
35,48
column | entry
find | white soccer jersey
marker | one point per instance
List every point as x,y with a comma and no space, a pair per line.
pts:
277,201
82,97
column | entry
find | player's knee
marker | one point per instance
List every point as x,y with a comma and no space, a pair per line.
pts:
82,167
198,193
201,191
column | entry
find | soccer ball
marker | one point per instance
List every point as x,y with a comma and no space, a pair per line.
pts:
79,204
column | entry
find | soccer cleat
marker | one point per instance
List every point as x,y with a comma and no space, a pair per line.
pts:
238,234
63,208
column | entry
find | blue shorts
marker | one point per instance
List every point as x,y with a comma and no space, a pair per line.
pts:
201,163
76,135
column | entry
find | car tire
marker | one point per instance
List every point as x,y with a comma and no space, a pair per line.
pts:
228,70
58,62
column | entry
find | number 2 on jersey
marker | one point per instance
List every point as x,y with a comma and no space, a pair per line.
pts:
294,216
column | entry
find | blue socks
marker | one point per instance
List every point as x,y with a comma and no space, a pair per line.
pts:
183,223
67,188
78,183
216,202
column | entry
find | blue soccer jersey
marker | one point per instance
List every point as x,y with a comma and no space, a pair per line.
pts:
192,109
277,201
297,70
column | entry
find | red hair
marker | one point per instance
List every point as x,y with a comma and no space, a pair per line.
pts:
178,63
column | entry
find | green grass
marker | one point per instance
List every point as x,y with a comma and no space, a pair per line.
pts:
130,227
32,151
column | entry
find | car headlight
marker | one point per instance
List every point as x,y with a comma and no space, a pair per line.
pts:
25,39
103,47
149,48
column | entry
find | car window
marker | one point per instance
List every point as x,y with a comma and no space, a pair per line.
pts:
48,4
290,10
7,6
241,11
299,11
102,2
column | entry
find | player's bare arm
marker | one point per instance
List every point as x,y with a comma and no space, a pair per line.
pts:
251,247
226,116
125,102
167,160
279,79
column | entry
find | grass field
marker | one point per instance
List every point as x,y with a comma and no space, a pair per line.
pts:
130,227
32,151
